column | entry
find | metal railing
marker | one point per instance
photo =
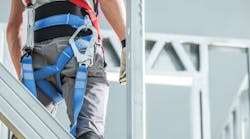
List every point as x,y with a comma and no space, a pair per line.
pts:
237,122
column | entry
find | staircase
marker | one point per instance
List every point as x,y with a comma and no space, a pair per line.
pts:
23,114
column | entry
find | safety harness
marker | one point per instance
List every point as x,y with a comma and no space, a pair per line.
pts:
85,38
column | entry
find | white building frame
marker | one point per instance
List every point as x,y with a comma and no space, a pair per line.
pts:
193,77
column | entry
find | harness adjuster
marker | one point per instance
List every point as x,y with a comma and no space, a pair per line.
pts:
29,44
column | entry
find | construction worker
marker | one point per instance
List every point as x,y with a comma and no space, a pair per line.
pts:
49,42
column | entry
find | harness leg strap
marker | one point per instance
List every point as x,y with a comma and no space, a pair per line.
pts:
79,93
50,91
27,74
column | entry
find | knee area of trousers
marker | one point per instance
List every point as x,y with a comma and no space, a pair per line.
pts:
89,135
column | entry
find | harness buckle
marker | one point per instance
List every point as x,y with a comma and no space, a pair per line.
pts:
87,58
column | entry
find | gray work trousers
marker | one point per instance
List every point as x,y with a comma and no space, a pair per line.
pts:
93,111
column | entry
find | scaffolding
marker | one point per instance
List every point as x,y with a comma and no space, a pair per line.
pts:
237,123
191,54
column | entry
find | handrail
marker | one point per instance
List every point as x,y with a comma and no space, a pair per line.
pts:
22,112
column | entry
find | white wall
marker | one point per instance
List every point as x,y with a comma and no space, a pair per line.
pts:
4,8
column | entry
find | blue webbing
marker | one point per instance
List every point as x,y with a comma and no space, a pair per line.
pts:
61,19
80,86
27,74
53,93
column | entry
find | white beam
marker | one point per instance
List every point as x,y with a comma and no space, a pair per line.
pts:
155,53
195,111
173,80
186,61
212,41
136,70
204,84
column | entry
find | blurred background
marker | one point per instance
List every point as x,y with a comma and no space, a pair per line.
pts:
223,26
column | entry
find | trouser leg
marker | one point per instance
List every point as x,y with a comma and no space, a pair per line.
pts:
93,112
51,108
92,115
90,135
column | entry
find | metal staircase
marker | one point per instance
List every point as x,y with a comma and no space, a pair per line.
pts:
23,114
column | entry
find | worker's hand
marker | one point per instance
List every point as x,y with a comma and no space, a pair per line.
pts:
122,76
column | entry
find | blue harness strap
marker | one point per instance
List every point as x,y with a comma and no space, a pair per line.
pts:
80,80
62,19
27,74
31,78
40,76
80,86
49,91
62,60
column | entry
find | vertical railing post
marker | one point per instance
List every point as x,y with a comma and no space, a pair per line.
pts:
204,92
199,99
136,70
248,70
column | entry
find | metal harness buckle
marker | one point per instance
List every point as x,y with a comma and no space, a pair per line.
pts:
87,58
